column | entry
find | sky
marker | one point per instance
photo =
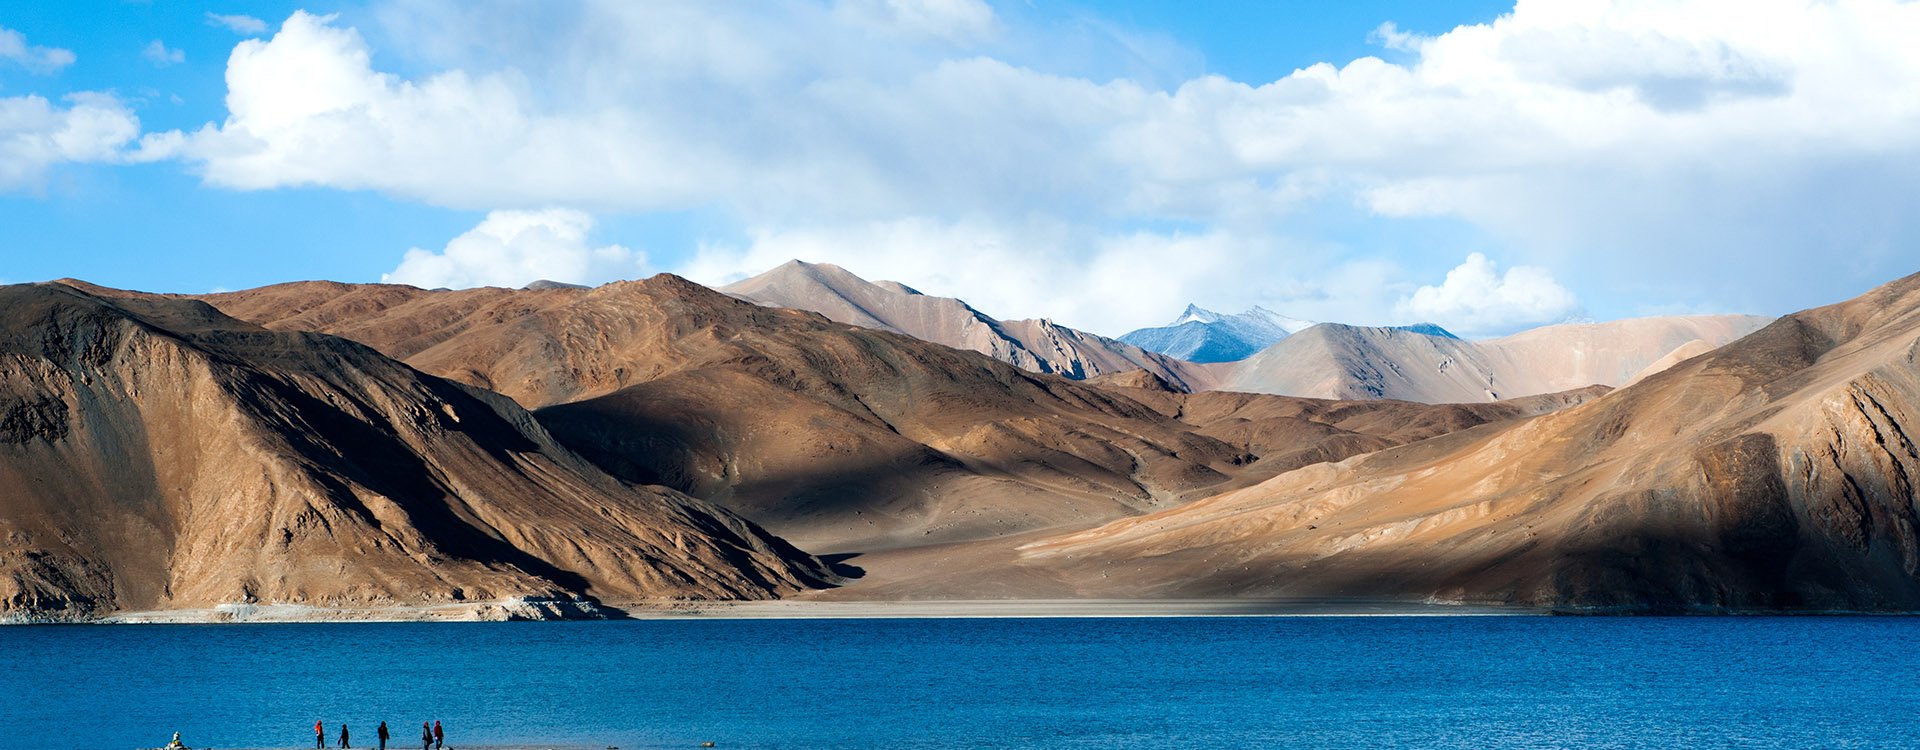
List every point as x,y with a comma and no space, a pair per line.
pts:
1486,166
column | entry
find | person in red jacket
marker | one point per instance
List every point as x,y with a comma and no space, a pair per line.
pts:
439,739
382,732
319,736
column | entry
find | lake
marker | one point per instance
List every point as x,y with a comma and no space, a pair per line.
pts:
1293,682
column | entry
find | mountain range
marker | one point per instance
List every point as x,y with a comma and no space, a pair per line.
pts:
567,451
1036,345
1261,351
1354,362
1204,336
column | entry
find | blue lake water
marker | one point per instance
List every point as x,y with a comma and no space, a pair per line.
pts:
1315,682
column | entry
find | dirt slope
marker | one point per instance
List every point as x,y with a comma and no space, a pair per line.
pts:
1776,472
156,454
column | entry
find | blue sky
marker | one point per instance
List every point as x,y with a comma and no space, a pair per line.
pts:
1484,166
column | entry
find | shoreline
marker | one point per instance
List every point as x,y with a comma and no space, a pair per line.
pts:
1064,608
516,610
541,611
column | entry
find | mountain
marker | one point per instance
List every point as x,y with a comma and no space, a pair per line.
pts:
1036,345
841,438
156,454
1204,336
1773,473
1353,362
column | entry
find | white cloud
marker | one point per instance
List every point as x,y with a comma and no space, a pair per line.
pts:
156,52
238,24
43,60
955,20
36,134
1476,299
514,248
1390,36
1672,149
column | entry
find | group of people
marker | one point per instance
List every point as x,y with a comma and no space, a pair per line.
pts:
431,737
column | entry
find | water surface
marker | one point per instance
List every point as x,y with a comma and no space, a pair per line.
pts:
1315,682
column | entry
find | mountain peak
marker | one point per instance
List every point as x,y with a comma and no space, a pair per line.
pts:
1197,313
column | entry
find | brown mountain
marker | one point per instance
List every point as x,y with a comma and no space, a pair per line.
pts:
157,454
1037,345
1777,472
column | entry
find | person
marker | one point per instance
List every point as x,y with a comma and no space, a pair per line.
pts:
426,736
176,744
439,738
319,736
382,732
343,736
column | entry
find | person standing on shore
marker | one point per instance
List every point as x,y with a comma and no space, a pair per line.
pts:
439,738
426,736
343,736
382,734
319,736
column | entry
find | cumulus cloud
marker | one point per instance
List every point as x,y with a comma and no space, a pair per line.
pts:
238,24
43,60
36,134
514,248
1669,148
1476,299
160,55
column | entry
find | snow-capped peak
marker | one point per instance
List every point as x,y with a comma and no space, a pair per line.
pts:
1197,313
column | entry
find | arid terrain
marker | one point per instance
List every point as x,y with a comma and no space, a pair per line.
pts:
1776,472
155,454
559,451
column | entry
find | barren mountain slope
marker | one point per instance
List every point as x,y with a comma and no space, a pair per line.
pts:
1287,432
156,454
1036,345
1777,472
1680,354
1351,362
833,435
